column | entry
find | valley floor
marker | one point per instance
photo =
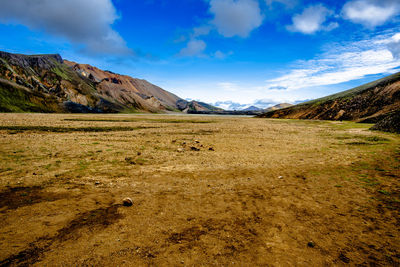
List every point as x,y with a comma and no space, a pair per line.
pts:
205,190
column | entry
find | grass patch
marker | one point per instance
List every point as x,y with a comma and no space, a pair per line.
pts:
145,120
357,143
83,165
55,129
376,139
384,192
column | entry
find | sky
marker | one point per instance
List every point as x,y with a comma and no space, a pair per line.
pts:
230,53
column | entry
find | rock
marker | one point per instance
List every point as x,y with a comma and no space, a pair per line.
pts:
280,177
344,258
311,244
97,183
390,123
211,149
180,150
127,202
197,141
193,148
139,153
130,160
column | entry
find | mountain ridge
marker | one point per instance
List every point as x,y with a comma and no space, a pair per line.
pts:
370,102
28,82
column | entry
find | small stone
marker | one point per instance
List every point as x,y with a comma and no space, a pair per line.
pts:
311,244
97,183
130,160
344,258
211,149
139,153
127,202
280,177
180,150
193,148
197,141
34,173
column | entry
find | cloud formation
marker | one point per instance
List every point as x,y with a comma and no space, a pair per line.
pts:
286,3
230,105
221,55
193,48
394,46
235,17
86,23
371,13
340,64
312,20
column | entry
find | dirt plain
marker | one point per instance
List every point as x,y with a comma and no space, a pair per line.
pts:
206,190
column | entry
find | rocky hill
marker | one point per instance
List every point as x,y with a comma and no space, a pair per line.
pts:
276,107
47,83
370,102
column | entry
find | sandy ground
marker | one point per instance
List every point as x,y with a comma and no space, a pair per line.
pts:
205,191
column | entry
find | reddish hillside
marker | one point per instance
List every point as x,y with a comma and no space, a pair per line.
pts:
126,90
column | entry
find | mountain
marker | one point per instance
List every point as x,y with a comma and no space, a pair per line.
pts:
279,106
139,94
370,102
47,83
252,108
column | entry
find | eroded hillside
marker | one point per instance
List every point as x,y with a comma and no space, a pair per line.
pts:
371,102
47,83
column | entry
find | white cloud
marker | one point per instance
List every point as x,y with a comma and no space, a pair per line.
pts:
221,55
235,17
230,105
193,48
371,13
340,64
394,46
311,20
85,23
202,30
286,3
229,86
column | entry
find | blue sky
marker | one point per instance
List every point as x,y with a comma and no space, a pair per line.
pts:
233,53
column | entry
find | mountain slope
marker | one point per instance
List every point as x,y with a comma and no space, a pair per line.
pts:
42,83
278,106
252,108
47,83
127,90
367,103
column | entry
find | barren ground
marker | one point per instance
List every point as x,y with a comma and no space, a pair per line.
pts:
205,191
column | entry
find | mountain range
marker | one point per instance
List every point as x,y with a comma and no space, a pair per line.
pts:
375,102
47,83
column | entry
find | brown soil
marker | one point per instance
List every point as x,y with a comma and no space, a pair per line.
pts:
205,191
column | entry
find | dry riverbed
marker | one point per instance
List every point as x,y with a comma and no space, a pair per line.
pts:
205,191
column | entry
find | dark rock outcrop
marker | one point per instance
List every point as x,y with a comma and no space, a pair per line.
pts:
391,123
